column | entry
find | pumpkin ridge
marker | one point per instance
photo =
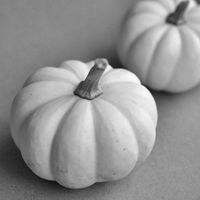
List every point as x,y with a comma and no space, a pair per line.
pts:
195,32
72,69
47,81
132,79
140,36
154,54
116,108
131,45
143,10
16,123
95,124
136,93
157,48
56,133
193,15
178,60
43,73
182,36
136,105
168,8
36,136
145,13
120,82
162,3
102,177
41,106
58,171
99,178
127,23
59,127
133,125
173,71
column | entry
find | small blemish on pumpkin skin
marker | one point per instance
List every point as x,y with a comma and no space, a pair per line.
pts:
59,170
30,164
113,173
89,177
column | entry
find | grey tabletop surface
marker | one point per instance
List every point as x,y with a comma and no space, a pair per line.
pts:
41,33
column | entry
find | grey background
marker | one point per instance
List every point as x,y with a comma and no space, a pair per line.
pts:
46,32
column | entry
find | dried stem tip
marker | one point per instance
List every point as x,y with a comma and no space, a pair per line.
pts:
177,17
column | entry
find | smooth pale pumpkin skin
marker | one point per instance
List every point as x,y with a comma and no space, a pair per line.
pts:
78,142
164,56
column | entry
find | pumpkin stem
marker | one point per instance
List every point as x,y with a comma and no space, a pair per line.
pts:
177,17
90,88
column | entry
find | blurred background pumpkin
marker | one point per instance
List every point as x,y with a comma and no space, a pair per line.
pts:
160,42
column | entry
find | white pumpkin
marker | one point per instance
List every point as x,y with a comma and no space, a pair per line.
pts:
160,41
83,123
